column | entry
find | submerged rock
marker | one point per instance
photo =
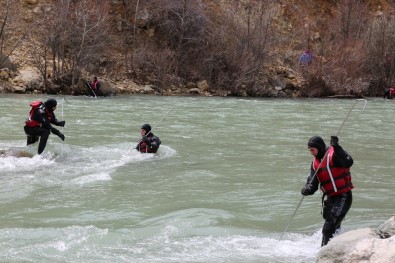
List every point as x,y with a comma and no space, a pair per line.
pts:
15,153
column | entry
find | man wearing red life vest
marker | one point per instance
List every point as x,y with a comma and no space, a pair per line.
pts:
38,124
330,170
95,84
389,93
149,142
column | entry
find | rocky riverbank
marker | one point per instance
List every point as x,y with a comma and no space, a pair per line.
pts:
281,83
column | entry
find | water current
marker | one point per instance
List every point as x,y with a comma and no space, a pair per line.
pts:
222,188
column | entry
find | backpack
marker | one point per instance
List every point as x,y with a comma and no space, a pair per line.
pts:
35,105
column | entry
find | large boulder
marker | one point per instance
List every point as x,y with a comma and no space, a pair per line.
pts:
6,63
82,88
362,245
387,229
106,88
4,74
28,79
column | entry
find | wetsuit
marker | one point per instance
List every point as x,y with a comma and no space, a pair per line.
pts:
335,204
149,144
389,93
39,125
95,84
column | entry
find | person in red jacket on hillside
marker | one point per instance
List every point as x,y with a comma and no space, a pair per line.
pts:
39,122
331,170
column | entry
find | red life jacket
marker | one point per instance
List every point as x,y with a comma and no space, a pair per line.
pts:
144,148
30,122
333,180
392,92
94,84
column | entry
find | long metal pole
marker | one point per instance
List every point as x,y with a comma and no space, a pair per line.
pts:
62,128
156,124
338,132
89,85
63,100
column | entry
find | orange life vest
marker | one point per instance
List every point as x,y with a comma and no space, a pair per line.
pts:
333,180
30,122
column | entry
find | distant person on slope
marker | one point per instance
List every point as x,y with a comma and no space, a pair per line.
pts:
38,124
149,142
306,58
331,170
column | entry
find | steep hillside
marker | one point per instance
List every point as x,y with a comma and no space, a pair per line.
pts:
242,48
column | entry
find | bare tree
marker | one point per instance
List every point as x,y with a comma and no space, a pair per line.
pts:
165,29
7,25
45,40
56,30
72,35
380,57
183,27
87,35
339,57
345,50
242,43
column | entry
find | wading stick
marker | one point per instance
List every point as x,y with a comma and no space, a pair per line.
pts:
61,154
337,134
64,99
89,85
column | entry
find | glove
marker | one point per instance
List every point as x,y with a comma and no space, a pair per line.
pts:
61,123
61,136
334,141
58,133
306,191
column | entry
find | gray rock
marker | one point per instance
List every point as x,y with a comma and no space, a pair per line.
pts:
195,91
361,245
18,89
387,229
203,85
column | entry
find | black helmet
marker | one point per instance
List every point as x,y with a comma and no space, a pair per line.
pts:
146,127
318,143
51,103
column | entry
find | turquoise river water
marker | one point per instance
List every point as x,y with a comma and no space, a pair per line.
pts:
222,188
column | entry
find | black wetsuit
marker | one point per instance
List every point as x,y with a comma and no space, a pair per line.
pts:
41,115
150,144
389,94
335,207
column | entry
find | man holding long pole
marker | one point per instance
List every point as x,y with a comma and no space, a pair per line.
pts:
149,143
331,170
320,144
